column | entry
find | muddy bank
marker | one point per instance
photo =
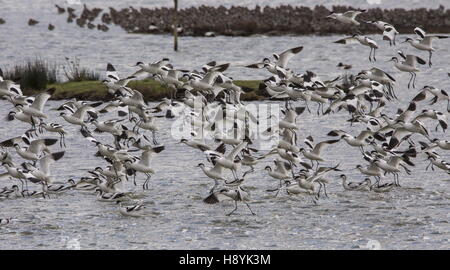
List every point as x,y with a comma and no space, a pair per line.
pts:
151,90
243,21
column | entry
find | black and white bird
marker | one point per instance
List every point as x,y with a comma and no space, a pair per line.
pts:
238,194
363,40
408,65
424,42
389,31
281,60
115,85
360,186
348,17
134,210
143,164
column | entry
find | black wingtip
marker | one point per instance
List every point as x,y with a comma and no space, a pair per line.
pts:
158,149
122,113
7,143
211,199
211,64
49,142
110,67
297,49
412,106
333,133
50,91
223,67
58,155
421,61
96,104
341,41
300,110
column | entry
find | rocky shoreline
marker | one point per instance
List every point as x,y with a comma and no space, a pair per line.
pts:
243,21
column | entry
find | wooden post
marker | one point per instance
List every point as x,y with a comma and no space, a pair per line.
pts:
175,26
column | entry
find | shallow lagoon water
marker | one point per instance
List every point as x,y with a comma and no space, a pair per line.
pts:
415,216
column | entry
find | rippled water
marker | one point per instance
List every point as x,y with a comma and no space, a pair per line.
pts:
414,216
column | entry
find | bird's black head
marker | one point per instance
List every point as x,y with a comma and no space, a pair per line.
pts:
407,39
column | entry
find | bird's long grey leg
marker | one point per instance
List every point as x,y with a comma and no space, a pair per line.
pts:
235,208
314,199
154,137
279,188
409,82
325,190
426,169
253,213
292,168
216,183
60,140
235,175
26,186
145,186
377,181
307,106
21,182
429,59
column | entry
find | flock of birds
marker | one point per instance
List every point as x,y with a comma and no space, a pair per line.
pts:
220,125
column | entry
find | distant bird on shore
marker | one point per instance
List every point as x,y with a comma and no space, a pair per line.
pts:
102,27
346,17
32,22
61,10
344,66
51,27
363,41
153,27
180,28
2,21
424,42
210,34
